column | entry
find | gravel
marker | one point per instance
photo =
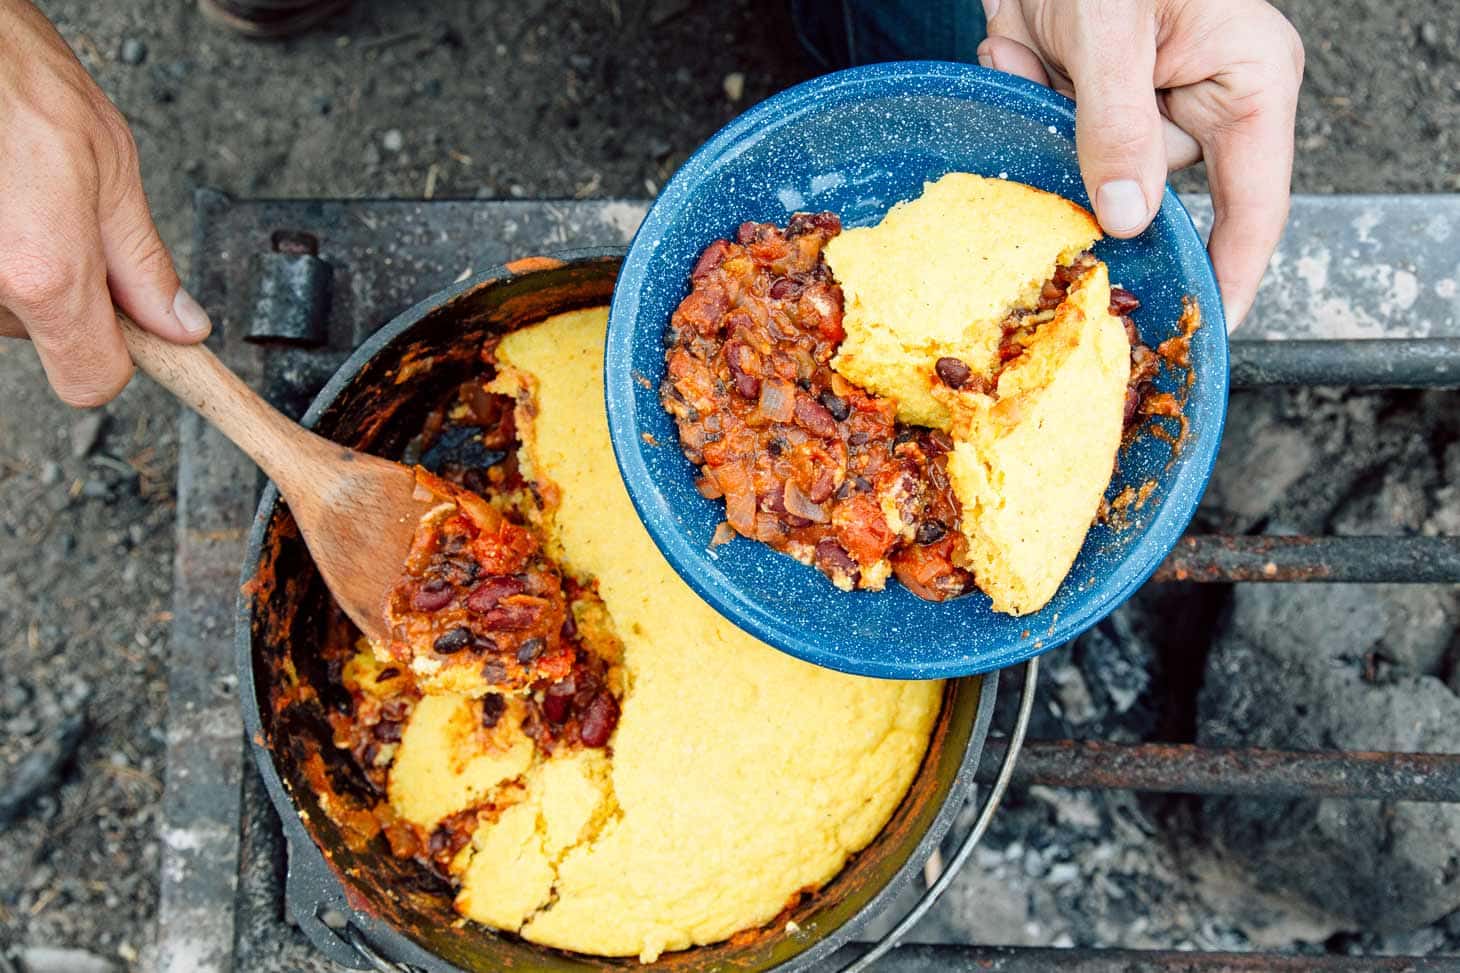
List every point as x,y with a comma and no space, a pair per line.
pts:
607,99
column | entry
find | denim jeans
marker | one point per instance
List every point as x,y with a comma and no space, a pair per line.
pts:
844,33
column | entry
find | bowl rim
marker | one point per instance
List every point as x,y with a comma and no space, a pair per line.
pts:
1159,535
313,883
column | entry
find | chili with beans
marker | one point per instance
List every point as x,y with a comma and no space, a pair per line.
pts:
806,461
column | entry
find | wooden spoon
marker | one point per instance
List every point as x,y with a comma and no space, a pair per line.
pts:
357,512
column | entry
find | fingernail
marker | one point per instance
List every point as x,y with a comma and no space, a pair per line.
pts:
1121,206
190,313
990,9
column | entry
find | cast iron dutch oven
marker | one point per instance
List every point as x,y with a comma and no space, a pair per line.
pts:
348,893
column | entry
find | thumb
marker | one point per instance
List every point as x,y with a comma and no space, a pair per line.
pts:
1118,131
140,272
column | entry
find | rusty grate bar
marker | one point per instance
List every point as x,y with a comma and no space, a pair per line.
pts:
1178,768
927,958
1217,557
1395,363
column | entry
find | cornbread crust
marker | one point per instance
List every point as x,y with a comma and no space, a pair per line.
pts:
1031,462
937,277
737,776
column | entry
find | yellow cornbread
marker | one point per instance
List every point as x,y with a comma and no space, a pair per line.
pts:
737,776
939,274
1030,464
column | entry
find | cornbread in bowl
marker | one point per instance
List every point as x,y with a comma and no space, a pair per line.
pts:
855,145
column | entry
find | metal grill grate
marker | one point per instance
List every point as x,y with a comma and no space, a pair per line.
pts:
1255,772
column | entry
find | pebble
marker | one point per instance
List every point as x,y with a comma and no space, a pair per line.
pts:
15,697
393,140
581,62
21,725
86,433
50,472
49,959
1429,34
734,85
133,51
96,489
432,88
322,104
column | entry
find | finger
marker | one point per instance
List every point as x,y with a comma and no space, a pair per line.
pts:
1249,168
58,293
140,272
1109,50
1008,55
1181,149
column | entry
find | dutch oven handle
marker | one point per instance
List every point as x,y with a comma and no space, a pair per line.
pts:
352,935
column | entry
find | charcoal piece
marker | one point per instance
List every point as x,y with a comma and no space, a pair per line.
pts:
460,447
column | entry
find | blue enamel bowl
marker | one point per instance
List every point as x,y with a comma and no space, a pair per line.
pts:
855,143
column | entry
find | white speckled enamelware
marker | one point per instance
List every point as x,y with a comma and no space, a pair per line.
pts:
855,143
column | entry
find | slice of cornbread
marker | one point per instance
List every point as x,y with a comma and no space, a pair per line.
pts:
1030,463
737,777
939,274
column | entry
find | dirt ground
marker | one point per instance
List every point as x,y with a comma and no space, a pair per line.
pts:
469,99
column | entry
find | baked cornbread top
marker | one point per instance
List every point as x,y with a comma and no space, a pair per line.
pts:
737,775
937,277
1031,461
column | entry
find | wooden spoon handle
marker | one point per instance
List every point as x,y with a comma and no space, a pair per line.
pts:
281,447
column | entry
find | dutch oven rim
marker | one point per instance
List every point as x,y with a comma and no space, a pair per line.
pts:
305,854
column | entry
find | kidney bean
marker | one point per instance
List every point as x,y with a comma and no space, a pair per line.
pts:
597,724
831,556
743,362
1050,295
785,288
433,595
828,223
453,641
494,672
952,372
515,616
823,486
387,731
395,710
530,649
814,417
484,597
570,625
857,439
931,531
713,256
556,708
493,706
1122,301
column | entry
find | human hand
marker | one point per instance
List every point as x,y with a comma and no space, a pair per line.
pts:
75,231
1161,84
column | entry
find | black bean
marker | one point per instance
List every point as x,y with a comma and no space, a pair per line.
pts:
453,641
387,732
953,372
530,649
931,531
493,706
836,405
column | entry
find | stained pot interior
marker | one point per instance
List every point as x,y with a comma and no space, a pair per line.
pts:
285,615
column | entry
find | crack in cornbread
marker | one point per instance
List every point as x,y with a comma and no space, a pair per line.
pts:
736,777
